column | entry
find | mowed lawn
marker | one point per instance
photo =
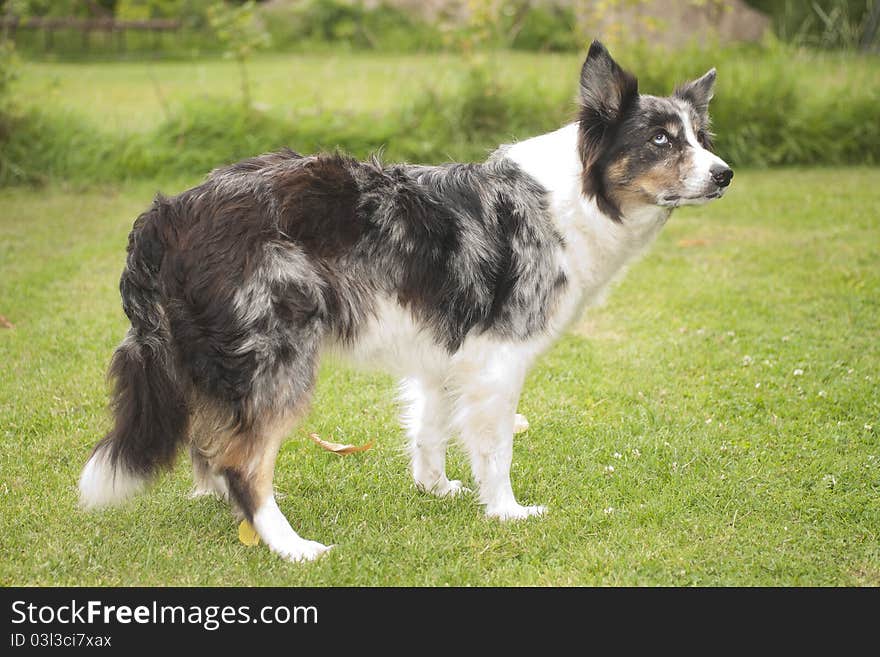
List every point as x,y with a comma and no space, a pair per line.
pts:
715,423
130,96
134,95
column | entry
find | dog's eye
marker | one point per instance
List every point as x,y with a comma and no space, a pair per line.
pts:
660,139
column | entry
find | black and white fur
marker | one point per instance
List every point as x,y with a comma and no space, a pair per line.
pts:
454,278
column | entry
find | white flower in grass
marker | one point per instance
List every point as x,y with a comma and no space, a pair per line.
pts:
617,455
785,338
822,393
609,469
635,452
608,510
747,360
869,427
798,372
757,385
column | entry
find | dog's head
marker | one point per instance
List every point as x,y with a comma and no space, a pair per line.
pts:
640,150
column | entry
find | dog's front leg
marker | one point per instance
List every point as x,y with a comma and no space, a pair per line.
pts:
485,416
426,419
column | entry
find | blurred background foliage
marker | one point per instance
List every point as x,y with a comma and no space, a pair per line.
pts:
799,82
414,26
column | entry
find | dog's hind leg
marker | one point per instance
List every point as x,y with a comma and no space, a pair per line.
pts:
426,417
207,431
206,479
248,466
489,381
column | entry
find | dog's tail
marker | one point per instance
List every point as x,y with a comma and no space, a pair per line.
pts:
149,399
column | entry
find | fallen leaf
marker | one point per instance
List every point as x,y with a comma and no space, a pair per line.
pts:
5,323
697,242
247,534
339,448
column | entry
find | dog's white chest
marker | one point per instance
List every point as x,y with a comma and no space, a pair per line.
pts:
597,249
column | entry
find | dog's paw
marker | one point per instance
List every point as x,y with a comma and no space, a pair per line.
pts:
520,423
444,488
515,512
200,491
302,550
453,488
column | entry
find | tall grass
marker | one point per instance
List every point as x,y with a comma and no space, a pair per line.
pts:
769,109
827,24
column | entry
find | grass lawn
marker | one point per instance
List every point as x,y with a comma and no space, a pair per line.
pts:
129,96
731,382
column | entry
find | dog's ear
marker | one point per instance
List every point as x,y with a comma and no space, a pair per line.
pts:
698,92
607,90
607,93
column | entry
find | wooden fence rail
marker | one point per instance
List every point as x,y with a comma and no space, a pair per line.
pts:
9,25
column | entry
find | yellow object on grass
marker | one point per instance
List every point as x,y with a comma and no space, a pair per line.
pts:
247,534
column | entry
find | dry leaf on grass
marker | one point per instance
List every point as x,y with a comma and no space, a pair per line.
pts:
339,448
695,242
5,323
247,534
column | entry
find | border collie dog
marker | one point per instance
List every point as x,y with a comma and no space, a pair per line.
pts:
453,277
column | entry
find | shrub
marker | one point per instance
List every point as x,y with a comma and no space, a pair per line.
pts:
324,23
8,74
41,145
546,29
820,23
770,108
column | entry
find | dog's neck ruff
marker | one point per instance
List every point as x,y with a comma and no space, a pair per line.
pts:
596,248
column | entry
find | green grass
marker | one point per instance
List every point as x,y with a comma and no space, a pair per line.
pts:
117,122
128,96
107,122
731,467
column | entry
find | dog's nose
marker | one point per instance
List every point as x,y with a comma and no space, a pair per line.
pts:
721,175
